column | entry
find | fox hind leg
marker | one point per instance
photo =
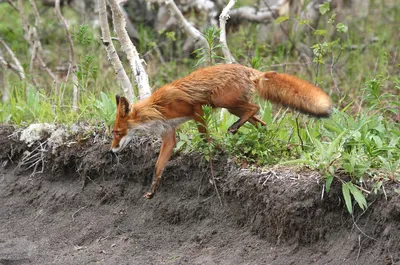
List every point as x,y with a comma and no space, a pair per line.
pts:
255,120
245,112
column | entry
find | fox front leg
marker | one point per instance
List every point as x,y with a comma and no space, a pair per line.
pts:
167,148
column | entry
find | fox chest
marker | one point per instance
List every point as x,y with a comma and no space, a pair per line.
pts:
159,127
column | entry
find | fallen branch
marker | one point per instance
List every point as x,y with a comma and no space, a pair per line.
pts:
112,54
72,62
188,28
259,15
131,53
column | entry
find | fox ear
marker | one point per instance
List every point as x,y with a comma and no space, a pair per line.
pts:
122,105
264,76
117,97
269,74
256,79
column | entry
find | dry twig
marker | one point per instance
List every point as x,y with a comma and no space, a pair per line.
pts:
16,67
31,36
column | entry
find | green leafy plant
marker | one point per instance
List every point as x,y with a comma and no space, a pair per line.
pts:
87,70
105,109
209,54
349,188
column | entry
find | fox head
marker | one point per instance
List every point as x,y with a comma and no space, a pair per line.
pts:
121,136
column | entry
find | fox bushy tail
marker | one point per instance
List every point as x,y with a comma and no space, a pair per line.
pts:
295,93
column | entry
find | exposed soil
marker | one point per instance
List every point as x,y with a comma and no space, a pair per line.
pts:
87,208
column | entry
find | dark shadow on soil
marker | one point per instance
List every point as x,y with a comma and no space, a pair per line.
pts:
87,208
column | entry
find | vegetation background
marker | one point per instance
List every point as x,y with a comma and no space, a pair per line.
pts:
350,51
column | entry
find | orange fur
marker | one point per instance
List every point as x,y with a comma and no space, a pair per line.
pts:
229,86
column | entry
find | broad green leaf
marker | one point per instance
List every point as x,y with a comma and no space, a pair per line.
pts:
335,143
304,22
328,182
281,19
347,198
341,27
358,196
179,145
320,32
171,35
332,19
324,8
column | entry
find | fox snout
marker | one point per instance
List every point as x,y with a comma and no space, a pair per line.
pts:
115,148
119,144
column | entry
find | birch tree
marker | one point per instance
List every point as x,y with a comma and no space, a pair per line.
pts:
132,55
112,54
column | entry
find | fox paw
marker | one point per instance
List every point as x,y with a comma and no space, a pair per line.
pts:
149,195
232,130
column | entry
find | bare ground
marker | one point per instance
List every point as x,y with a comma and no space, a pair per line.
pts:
87,208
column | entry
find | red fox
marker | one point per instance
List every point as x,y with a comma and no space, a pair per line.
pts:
229,86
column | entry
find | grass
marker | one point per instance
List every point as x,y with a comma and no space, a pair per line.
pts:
358,67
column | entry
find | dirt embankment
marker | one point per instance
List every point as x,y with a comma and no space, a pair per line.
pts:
87,208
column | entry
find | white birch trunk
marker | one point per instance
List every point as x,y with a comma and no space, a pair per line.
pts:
222,25
112,54
132,55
